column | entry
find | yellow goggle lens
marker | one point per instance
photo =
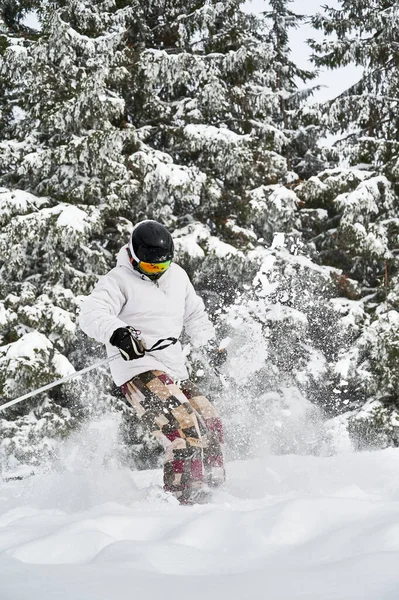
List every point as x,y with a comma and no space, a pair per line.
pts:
152,268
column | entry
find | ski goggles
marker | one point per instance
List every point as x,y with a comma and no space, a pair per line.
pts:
154,268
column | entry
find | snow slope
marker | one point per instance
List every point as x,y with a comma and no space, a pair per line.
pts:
285,527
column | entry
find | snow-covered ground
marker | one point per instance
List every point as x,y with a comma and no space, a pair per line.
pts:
285,527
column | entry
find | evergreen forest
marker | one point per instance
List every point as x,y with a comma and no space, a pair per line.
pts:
196,114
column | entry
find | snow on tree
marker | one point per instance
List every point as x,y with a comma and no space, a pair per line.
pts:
364,228
188,113
363,33
117,111
358,235
302,133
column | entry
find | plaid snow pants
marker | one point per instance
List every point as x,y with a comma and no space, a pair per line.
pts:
188,426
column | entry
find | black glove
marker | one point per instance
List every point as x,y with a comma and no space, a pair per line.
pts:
217,356
127,341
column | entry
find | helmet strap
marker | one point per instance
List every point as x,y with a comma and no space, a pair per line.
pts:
131,259
131,251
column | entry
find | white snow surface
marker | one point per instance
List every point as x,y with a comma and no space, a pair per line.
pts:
284,527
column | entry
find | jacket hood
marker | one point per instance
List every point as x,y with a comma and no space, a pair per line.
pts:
123,258
124,261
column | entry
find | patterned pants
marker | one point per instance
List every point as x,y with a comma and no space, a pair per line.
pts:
188,426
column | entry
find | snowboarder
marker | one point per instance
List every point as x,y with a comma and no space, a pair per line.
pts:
141,307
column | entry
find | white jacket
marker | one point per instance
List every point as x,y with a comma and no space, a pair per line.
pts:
158,309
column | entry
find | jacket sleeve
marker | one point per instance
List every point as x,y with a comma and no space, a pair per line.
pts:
99,312
196,322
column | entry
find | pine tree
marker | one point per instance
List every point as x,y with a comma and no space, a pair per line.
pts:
302,133
364,237
61,108
357,233
367,113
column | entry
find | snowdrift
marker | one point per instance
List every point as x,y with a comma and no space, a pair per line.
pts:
284,528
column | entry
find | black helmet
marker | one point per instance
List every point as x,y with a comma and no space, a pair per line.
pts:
151,244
